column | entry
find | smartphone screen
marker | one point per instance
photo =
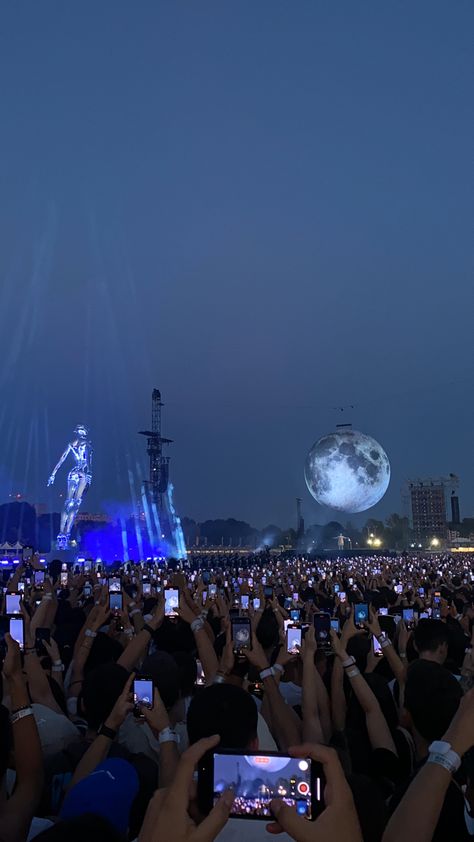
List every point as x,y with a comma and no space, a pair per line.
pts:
17,630
39,577
143,693
212,591
257,778
27,553
335,625
383,612
241,633
342,596
115,584
115,601
436,614
171,602
398,588
295,615
244,601
256,603
146,588
322,625
361,614
377,647
200,677
268,592
12,603
63,580
408,615
293,640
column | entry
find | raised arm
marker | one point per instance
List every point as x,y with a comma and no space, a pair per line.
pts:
18,811
139,644
378,730
315,700
57,467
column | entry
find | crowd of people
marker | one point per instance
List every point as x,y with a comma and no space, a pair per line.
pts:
120,684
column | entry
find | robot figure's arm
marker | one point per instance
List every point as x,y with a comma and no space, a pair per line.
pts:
55,470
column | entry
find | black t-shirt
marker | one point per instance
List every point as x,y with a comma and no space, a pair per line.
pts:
451,825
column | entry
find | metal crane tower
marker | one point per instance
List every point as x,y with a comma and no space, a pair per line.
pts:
159,465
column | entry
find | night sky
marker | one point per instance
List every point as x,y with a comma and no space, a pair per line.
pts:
262,207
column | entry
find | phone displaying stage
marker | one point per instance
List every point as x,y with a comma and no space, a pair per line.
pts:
17,630
115,584
146,588
13,603
115,602
39,578
142,694
335,625
408,617
361,614
171,602
293,640
63,579
244,602
241,634
322,625
256,603
256,778
377,647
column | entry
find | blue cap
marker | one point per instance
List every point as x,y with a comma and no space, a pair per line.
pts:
108,791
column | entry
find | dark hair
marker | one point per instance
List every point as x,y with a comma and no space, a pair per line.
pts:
187,668
226,710
101,689
432,697
104,650
267,630
429,635
163,670
89,826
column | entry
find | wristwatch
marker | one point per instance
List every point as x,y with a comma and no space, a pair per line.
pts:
442,754
105,731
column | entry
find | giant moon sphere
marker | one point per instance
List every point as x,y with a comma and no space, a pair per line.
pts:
347,471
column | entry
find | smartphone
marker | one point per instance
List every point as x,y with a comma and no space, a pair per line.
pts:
322,625
27,553
17,630
258,777
335,625
64,567
39,578
87,590
293,640
13,603
171,602
377,647
268,592
398,589
295,615
337,587
241,634
421,591
146,588
63,580
116,601
115,584
436,614
244,601
342,596
200,677
295,597
256,603
41,635
361,614
408,617
142,695
383,612
351,580
213,592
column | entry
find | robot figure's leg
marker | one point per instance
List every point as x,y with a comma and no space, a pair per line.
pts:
74,503
72,483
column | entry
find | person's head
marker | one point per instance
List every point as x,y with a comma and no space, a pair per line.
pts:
187,668
267,630
108,791
101,689
430,639
226,710
432,697
164,672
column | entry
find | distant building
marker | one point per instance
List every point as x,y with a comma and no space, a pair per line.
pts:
428,510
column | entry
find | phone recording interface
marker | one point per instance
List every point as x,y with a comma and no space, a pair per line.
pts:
293,640
361,614
322,626
171,602
116,602
12,603
115,584
241,633
17,630
143,693
258,778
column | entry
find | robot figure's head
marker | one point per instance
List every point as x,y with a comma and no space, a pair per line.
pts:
81,430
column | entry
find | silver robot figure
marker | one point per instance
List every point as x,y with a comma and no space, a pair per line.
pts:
78,481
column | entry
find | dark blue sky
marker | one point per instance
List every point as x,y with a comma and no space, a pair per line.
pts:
263,208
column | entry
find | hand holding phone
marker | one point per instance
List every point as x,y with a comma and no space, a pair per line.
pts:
142,696
241,634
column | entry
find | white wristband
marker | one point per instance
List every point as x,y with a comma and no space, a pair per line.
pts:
90,633
278,668
266,673
197,624
167,735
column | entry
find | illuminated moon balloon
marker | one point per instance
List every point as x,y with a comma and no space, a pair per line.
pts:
347,471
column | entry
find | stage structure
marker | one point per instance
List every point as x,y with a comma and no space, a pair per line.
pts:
163,524
78,481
